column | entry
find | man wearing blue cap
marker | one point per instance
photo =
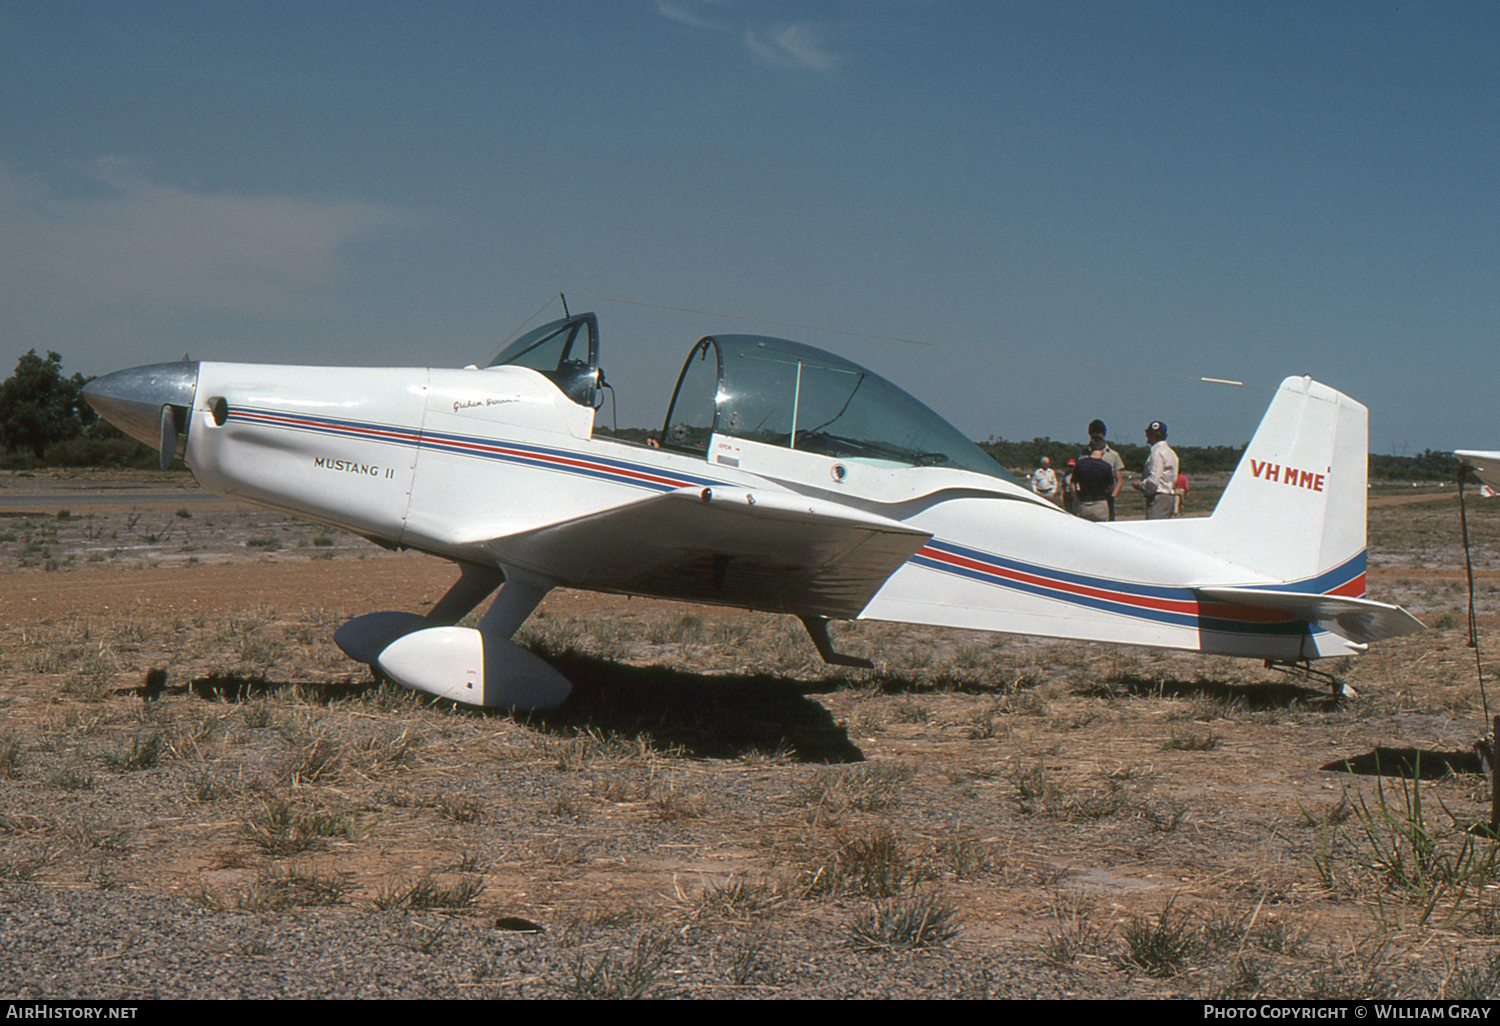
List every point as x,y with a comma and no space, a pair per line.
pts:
1159,483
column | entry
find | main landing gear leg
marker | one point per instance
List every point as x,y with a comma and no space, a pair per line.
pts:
476,667
365,637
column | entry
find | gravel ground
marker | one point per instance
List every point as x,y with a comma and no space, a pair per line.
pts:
125,946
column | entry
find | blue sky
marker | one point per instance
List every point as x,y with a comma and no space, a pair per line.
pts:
1079,207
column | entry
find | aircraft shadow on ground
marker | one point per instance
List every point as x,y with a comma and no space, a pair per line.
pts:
712,717
1258,696
1411,763
889,682
722,716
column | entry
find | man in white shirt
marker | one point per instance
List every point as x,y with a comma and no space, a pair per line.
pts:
1159,483
1044,481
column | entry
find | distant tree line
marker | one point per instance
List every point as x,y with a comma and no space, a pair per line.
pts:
1429,466
1025,456
1210,459
44,421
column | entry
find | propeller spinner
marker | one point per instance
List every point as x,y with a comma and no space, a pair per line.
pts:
150,404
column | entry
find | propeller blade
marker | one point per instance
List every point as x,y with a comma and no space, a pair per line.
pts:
168,436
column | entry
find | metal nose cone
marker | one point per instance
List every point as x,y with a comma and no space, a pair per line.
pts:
132,399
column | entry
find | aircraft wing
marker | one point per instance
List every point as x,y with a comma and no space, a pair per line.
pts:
763,550
1482,465
1359,620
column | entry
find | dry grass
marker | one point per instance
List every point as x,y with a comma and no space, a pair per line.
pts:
1122,822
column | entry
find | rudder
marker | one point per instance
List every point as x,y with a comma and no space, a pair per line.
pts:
1294,509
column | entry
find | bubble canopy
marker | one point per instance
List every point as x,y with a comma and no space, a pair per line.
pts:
777,392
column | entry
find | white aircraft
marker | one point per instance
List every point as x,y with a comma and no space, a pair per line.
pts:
787,479
1483,467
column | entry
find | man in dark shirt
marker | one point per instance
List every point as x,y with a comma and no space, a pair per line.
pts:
1097,431
1093,485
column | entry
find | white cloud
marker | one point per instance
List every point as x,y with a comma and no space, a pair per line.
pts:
130,242
793,46
798,45
691,12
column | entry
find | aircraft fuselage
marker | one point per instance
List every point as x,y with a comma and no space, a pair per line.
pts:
463,464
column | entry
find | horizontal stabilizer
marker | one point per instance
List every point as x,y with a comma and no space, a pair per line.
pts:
1359,620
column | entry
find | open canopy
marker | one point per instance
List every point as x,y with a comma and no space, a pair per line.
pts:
767,390
566,351
777,392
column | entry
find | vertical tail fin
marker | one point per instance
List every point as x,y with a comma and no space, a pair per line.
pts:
1294,510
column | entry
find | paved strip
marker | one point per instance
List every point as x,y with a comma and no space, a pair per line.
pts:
354,586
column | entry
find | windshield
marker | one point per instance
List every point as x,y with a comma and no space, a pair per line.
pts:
566,351
776,392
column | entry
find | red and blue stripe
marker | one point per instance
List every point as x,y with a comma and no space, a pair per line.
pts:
1173,606
539,457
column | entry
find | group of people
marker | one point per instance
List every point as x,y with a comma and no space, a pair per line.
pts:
1093,481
